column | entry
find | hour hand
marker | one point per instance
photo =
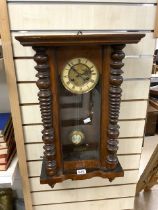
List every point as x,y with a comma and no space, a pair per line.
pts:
75,71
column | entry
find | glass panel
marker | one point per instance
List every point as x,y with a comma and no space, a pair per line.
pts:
80,124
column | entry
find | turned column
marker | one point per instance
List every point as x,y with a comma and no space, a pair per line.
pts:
114,104
45,101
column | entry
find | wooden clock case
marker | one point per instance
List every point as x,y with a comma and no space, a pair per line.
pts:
106,52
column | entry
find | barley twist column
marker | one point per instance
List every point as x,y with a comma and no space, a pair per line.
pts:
45,101
114,104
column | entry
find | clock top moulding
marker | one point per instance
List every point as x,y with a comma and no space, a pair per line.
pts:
72,40
53,168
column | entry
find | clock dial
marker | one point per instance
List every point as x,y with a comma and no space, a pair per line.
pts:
77,137
79,75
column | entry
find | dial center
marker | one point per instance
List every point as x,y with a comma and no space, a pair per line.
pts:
79,74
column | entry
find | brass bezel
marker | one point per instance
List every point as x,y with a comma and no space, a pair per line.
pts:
78,91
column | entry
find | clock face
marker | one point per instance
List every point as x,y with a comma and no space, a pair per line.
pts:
77,137
79,75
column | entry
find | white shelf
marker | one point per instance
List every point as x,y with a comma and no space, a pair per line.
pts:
7,177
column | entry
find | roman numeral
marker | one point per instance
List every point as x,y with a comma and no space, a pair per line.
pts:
68,82
92,80
70,64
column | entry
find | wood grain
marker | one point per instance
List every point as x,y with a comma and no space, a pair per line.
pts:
85,39
80,17
14,100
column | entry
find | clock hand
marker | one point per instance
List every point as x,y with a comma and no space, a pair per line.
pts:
78,74
75,71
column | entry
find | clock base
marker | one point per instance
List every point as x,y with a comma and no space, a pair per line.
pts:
110,174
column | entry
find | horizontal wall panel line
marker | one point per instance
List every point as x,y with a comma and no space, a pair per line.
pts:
84,194
26,82
134,169
125,79
126,57
101,1
128,162
124,120
130,100
133,137
23,57
89,200
78,188
131,79
76,31
129,177
135,119
41,142
129,154
117,204
126,3
119,155
84,201
28,104
40,160
31,124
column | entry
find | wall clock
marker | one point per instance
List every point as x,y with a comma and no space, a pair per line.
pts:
79,79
